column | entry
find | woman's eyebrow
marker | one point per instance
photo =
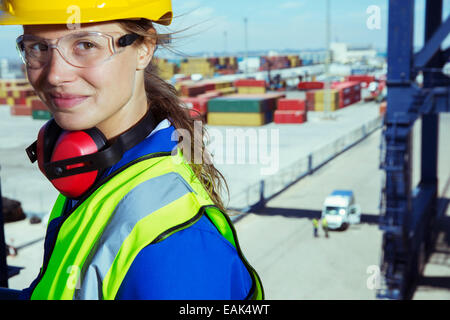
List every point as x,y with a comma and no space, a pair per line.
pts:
73,33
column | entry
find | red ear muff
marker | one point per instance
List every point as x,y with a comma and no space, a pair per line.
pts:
73,144
74,160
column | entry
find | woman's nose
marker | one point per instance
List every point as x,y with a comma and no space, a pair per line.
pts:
58,70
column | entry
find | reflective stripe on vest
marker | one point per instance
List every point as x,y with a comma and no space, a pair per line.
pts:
99,240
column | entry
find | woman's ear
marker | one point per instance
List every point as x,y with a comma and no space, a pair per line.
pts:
146,50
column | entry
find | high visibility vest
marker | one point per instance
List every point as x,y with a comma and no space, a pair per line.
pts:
315,223
139,205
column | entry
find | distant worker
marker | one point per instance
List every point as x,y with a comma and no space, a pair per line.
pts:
325,226
315,227
135,218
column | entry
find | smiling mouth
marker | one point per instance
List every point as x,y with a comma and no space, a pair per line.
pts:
67,103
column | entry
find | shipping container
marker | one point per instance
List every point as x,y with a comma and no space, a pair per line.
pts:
37,104
20,110
239,104
250,83
291,104
310,85
251,90
364,79
289,117
239,119
41,115
245,103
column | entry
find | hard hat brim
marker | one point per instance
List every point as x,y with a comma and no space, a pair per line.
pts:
157,11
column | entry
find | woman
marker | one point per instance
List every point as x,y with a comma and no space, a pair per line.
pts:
135,219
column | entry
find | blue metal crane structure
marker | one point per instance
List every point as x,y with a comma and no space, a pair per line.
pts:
408,216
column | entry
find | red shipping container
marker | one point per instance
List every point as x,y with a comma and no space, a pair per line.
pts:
310,100
195,103
310,85
197,115
356,97
291,104
363,79
345,88
357,87
289,116
21,111
250,83
209,86
37,104
192,90
345,102
3,101
20,101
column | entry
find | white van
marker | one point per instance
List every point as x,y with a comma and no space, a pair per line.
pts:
340,210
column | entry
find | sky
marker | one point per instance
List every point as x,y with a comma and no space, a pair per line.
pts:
218,26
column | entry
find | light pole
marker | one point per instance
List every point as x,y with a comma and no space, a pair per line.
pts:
327,94
246,44
225,42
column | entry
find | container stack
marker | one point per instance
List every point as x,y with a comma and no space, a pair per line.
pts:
290,111
197,66
198,106
250,86
195,95
225,87
166,70
295,61
273,63
17,94
315,100
226,65
349,92
242,109
194,89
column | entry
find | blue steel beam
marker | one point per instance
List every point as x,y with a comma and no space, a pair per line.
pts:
407,220
433,45
400,115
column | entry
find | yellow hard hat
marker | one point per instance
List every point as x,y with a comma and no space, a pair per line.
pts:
25,12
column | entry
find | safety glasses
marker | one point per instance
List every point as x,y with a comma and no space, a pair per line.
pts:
81,49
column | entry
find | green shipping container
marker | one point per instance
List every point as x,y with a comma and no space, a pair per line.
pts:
41,115
226,104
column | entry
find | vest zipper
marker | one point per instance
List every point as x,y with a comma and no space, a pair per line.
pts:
82,199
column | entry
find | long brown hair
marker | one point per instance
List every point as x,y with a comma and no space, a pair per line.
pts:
166,104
